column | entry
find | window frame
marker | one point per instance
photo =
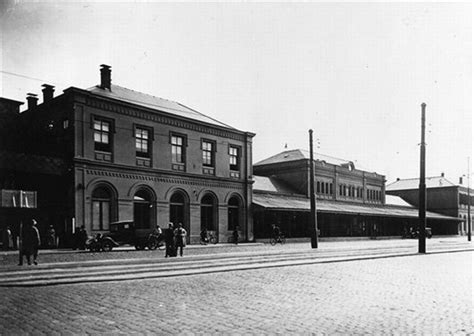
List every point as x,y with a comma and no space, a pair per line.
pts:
235,167
149,141
212,153
101,146
183,147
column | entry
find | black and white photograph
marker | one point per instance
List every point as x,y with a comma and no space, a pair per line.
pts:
236,168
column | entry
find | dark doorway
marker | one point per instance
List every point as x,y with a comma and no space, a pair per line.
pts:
142,206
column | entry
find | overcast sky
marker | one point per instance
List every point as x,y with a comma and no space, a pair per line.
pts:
356,73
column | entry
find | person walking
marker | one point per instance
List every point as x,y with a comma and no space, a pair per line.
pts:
51,237
7,239
169,241
180,238
235,235
31,242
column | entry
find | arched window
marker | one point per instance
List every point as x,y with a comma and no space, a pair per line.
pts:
208,213
233,215
101,208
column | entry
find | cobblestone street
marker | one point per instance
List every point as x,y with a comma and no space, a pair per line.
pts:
423,294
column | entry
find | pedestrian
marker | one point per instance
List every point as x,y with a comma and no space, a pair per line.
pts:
30,242
7,239
204,237
235,235
180,239
276,232
82,238
169,241
51,237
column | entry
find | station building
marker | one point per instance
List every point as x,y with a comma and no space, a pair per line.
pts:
351,202
442,196
109,153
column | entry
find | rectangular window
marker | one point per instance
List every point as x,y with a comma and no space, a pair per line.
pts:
102,135
177,149
234,159
142,142
208,153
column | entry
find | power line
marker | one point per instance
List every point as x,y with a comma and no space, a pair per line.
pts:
31,78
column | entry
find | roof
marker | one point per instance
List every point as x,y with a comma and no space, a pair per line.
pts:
396,200
294,203
271,184
413,183
302,154
30,163
138,98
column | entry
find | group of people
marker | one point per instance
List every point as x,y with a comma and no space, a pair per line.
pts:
175,240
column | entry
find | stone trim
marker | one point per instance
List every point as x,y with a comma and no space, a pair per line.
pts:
172,180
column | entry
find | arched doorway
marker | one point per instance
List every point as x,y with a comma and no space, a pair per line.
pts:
102,208
178,209
143,209
233,213
209,213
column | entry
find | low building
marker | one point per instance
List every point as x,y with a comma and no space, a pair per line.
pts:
120,154
350,202
442,196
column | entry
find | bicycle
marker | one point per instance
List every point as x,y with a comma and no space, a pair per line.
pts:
280,239
209,239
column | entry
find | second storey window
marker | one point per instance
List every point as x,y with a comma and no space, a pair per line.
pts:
177,149
234,158
142,142
207,153
102,135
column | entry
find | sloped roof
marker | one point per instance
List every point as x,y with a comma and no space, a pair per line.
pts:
294,203
396,200
29,163
299,154
138,98
413,183
271,184
302,154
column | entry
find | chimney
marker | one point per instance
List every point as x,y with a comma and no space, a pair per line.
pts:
105,77
32,100
48,92
442,174
460,180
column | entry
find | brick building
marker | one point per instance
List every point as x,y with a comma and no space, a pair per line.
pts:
350,201
118,154
442,196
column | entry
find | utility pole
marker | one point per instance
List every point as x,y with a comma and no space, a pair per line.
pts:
422,187
468,200
314,219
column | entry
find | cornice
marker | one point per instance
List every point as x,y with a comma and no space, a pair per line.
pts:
136,111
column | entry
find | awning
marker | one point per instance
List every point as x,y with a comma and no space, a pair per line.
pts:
295,203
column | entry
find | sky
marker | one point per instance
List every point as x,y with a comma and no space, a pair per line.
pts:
355,73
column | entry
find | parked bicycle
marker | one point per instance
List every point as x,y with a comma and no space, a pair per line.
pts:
207,238
278,239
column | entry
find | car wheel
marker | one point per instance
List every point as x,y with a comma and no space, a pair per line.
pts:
107,247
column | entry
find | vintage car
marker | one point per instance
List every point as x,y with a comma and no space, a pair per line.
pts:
125,232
